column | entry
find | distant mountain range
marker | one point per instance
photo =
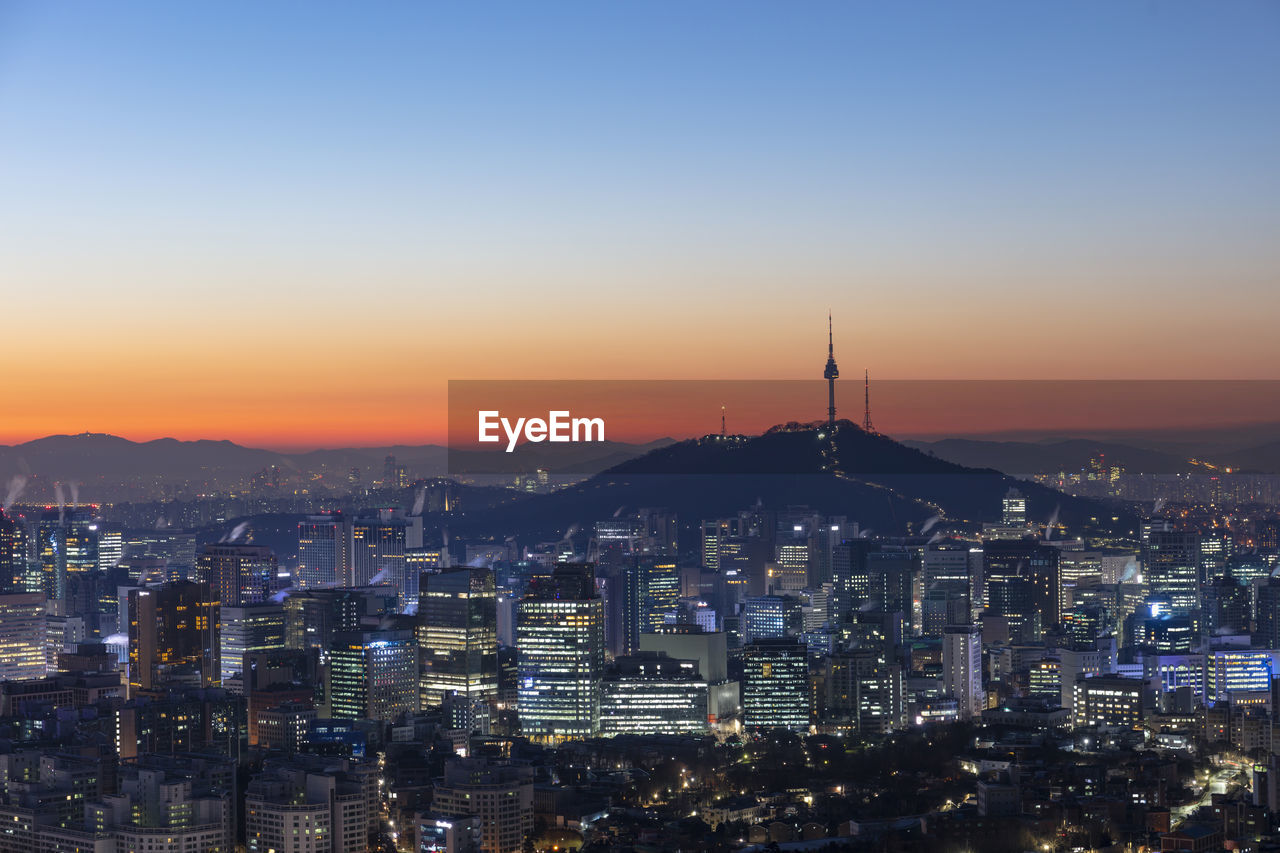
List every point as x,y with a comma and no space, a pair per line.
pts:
96,460
870,478
1253,448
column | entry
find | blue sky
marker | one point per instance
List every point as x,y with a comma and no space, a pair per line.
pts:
399,178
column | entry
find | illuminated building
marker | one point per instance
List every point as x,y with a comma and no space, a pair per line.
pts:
13,553
650,693
659,590
313,617
252,628
378,546
174,635
865,688
22,636
437,833
372,675
962,668
775,684
306,804
323,560
1172,567
560,643
1044,679
768,616
497,794
1108,700
458,635
1233,672
711,653
240,574
66,542
1032,563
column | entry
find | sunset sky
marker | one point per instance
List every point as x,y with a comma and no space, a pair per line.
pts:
290,224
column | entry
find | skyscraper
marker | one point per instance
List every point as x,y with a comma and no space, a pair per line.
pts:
372,675
22,636
66,541
775,684
174,635
458,634
323,558
241,574
252,628
378,546
962,668
1173,569
560,643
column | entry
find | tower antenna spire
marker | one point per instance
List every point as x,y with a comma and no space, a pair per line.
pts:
831,373
866,396
722,432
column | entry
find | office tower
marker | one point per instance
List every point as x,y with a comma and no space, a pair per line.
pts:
944,605
775,684
13,554
1077,663
323,560
790,571
313,617
866,688
770,616
714,532
1016,600
458,635
1013,508
22,636
1231,672
240,574
61,631
650,693
1267,614
500,793
1108,700
1228,607
372,675
662,528
66,542
176,547
279,677
710,651
621,588
892,576
1172,566
659,589
851,582
1032,562
378,546
251,628
1084,624
962,668
174,635
560,643
432,831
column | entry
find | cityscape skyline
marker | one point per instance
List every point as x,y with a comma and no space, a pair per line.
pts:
247,221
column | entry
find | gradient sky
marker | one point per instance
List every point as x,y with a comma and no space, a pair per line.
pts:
289,224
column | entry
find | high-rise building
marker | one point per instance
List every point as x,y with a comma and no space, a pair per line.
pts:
22,636
659,589
66,542
650,693
323,560
1173,569
372,675
378,546
775,684
1034,564
498,793
13,554
240,574
768,616
174,635
311,805
560,643
1108,700
866,688
251,628
313,617
962,668
458,635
